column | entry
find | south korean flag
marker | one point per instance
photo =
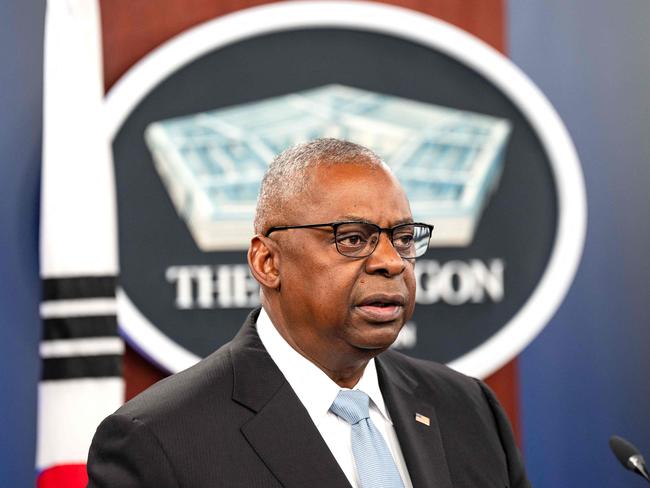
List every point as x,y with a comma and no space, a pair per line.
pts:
81,350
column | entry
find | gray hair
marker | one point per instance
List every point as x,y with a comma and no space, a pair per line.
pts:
288,174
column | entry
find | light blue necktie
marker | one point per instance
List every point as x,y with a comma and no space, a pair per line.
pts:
375,465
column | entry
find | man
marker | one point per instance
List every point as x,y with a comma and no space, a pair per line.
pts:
308,394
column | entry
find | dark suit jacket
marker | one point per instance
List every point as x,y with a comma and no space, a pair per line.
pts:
233,421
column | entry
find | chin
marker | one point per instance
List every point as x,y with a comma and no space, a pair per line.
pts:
378,343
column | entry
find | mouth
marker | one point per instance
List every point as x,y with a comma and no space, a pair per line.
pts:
381,307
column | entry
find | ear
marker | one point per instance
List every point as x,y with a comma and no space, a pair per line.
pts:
264,261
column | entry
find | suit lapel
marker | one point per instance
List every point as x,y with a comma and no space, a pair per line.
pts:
281,433
421,444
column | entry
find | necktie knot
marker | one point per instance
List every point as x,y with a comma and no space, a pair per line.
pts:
351,406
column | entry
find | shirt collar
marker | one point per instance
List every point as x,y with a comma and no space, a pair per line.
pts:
313,387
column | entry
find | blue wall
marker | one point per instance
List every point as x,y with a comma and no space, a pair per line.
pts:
583,379
21,55
588,374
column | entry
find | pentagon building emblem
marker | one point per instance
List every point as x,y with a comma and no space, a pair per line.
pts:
481,154
449,161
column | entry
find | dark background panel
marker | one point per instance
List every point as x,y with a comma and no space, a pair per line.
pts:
134,28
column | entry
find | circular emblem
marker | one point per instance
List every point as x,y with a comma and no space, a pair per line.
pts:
479,150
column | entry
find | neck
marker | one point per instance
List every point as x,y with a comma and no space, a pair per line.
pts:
344,377
345,368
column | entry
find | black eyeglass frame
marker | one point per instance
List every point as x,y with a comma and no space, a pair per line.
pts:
335,225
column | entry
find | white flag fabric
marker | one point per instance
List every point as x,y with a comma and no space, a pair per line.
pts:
81,350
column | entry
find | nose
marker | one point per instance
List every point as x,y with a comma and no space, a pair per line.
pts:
385,259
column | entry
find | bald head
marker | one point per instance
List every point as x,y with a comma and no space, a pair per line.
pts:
291,173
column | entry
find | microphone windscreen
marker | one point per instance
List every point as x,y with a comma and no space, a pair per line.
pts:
622,449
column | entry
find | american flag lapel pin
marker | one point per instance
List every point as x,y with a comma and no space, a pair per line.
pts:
423,419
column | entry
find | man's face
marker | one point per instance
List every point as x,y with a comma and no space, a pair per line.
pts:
337,308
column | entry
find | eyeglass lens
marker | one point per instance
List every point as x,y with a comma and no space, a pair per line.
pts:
360,239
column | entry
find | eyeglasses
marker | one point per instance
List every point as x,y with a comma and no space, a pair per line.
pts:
360,239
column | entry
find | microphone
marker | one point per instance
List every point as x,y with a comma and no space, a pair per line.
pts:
629,456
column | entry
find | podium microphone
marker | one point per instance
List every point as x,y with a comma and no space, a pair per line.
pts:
629,456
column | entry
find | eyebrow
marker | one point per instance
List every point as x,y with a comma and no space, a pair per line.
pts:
356,218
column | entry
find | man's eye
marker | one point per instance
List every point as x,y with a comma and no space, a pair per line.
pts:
403,240
352,240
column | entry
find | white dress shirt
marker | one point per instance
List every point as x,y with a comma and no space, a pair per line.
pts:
317,392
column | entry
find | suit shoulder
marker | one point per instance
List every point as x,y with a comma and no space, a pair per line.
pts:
425,367
436,376
209,380
465,408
